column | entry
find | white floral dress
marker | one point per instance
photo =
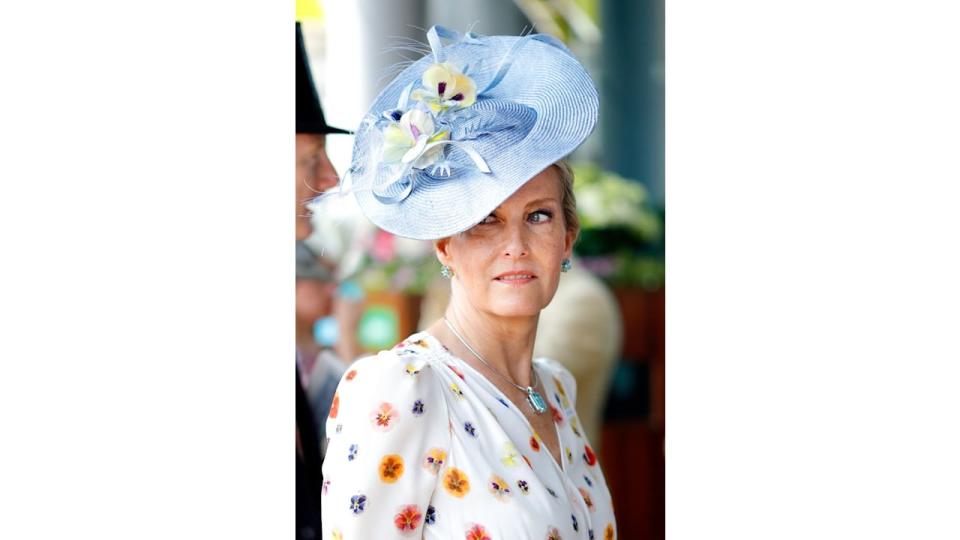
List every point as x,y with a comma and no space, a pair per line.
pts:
421,445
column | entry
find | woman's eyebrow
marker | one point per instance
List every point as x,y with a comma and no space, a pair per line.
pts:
541,201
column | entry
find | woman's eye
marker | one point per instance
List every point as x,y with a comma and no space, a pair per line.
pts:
488,220
541,216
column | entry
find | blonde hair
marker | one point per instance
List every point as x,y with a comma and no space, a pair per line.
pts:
568,200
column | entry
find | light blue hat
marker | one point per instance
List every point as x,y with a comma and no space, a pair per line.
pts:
460,130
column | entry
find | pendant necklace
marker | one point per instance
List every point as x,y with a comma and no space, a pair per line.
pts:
533,397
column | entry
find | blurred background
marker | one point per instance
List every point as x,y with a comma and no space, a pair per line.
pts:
616,291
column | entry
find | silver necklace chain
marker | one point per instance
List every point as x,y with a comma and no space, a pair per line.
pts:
535,402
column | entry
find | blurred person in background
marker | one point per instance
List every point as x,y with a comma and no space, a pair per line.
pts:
433,438
314,174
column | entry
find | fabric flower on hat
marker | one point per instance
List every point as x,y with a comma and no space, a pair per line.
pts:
445,86
406,140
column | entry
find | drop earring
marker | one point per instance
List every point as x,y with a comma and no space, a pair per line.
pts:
446,272
566,265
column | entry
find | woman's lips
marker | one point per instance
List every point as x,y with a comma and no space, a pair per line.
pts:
515,278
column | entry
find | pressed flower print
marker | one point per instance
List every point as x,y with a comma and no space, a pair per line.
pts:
412,369
510,457
336,535
576,526
468,427
557,417
589,456
499,488
391,468
384,417
433,462
587,499
524,486
352,452
417,407
408,519
358,503
431,516
608,532
456,390
477,532
534,444
335,405
351,374
553,534
456,482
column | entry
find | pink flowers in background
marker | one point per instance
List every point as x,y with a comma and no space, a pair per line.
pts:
382,248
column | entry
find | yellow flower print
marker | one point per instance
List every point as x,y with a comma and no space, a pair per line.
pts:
434,460
499,488
336,535
456,483
456,390
391,468
510,456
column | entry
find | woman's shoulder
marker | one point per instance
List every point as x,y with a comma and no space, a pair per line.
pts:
405,361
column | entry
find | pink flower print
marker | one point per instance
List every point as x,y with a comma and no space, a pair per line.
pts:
477,532
384,417
408,519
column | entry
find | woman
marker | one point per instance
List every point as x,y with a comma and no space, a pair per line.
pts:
457,432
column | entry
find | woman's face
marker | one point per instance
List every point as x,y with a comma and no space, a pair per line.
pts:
508,265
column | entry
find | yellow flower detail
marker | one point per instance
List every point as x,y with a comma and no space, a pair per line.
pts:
445,86
406,140
510,455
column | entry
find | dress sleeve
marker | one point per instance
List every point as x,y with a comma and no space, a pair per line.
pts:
389,433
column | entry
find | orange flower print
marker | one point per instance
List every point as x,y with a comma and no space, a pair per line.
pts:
534,443
589,456
351,374
384,417
456,482
335,405
499,488
477,532
553,534
408,519
557,417
586,498
433,462
391,468
608,532
422,343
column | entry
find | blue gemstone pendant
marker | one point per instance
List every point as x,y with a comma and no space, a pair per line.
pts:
536,400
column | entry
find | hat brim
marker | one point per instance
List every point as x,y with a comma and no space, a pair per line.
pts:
543,77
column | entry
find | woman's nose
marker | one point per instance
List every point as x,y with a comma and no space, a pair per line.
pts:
516,241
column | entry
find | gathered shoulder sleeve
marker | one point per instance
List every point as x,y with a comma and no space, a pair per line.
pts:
389,433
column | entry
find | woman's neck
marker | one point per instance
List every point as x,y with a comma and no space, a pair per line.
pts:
505,343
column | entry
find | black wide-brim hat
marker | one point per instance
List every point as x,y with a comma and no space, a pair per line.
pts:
309,112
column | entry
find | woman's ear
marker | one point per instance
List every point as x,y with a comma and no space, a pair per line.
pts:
441,248
568,241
